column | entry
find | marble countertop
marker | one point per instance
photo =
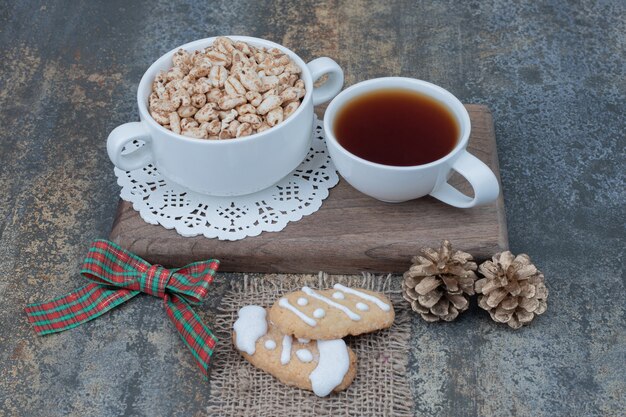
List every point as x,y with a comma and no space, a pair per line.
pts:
553,73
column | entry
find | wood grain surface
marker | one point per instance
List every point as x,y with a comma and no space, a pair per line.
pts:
350,233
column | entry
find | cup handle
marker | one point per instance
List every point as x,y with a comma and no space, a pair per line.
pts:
478,174
122,136
332,86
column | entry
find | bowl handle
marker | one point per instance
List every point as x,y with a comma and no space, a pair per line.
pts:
122,136
332,86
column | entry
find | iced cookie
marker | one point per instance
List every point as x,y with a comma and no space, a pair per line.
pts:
332,313
318,366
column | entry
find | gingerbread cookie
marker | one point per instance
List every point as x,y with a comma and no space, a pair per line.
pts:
332,313
319,366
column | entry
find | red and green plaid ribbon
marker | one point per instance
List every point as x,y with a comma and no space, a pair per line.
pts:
118,276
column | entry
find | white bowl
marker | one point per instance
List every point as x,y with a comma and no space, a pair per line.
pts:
225,167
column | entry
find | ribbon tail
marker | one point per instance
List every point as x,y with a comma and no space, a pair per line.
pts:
195,334
75,308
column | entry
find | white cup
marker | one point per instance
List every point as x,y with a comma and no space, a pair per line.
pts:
225,167
401,183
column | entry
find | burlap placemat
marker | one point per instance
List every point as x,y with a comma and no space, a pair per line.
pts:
381,387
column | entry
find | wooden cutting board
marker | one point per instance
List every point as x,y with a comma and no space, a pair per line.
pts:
350,233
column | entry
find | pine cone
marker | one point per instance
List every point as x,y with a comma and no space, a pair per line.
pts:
513,290
439,283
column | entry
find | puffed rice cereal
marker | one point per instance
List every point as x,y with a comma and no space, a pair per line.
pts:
228,90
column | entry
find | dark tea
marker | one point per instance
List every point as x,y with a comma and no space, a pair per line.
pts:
396,127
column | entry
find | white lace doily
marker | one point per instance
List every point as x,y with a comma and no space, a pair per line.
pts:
232,218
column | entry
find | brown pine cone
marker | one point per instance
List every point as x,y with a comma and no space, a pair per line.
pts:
513,290
439,283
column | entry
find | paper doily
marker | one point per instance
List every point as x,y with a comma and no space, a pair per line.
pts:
232,218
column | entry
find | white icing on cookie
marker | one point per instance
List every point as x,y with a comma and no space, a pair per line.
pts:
346,310
270,344
303,341
382,305
362,306
302,301
337,295
285,355
319,313
284,303
332,367
250,325
304,355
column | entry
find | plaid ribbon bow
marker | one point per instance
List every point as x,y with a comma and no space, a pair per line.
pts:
118,276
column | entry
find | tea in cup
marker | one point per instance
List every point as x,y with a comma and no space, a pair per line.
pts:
397,139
